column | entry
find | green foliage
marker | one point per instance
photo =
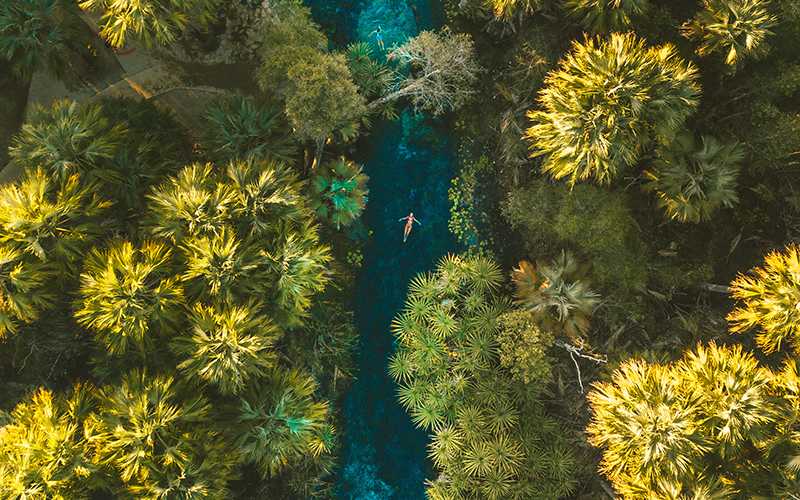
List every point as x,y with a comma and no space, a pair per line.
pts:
602,16
486,441
466,212
130,296
338,192
692,183
226,346
43,451
193,203
523,348
67,139
279,421
24,290
610,100
554,293
153,433
505,10
713,425
595,219
737,27
158,21
770,301
50,221
38,34
317,86
247,127
370,75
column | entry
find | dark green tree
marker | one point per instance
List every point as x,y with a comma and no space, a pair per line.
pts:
280,421
602,16
338,192
692,182
40,34
67,139
610,100
247,127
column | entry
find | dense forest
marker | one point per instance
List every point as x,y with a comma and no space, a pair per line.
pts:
620,318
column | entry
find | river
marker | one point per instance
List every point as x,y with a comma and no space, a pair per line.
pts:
410,163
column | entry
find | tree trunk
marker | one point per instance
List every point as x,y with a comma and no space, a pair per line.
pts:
715,288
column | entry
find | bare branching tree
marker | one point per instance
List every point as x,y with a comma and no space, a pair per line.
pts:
434,71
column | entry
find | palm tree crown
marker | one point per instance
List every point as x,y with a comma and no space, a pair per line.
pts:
770,300
602,16
24,292
737,27
692,183
338,192
129,295
38,34
227,345
608,101
247,127
555,295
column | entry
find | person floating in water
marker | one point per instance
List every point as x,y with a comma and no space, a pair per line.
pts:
378,37
411,220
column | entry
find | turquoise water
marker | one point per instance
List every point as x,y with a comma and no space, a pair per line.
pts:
410,163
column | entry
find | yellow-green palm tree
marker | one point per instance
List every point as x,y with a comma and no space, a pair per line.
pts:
158,21
770,301
44,453
50,221
193,203
153,434
735,27
226,346
131,296
24,289
610,99
66,139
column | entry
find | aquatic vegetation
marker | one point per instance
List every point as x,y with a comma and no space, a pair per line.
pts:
452,383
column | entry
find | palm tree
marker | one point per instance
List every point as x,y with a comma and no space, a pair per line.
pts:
769,301
43,450
609,101
130,296
264,192
279,420
248,128
296,265
371,76
153,147
555,295
152,20
222,267
24,290
38,34
193,203
338,192
50,221
691,184
151,431
67,139
649,428
602,16
226,346
737,27
504,10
